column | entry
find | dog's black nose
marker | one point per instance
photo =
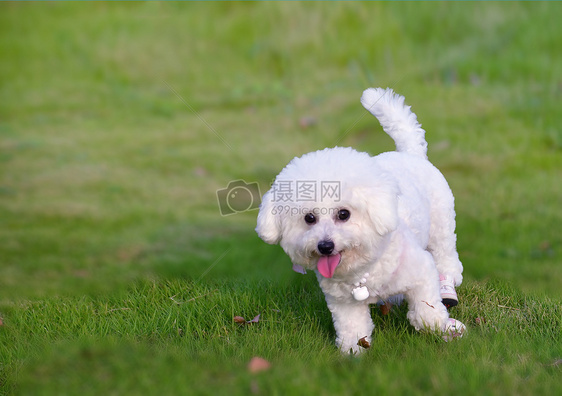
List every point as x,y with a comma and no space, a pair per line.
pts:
326,247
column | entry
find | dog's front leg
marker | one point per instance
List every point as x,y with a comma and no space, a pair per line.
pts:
352,322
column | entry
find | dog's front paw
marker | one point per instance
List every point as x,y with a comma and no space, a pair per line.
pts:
349,348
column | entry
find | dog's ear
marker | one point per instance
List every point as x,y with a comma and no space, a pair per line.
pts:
269,222
380,202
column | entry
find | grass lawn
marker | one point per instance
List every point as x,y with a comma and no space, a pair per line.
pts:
120,121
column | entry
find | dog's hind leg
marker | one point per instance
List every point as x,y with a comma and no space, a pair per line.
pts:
425,309
443,249
442,246
442,242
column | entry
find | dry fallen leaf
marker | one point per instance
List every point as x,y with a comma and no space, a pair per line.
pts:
385,308
544,245
307,122
480,321
241,321
200,171
258,364
364,343
255,320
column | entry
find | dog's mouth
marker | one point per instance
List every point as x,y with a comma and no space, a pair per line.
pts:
327,264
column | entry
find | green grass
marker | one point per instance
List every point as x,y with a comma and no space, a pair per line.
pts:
119,122
158,335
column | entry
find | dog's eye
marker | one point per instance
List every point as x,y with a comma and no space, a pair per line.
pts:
343,215
309,218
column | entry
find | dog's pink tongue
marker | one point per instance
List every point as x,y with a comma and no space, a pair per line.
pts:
327,265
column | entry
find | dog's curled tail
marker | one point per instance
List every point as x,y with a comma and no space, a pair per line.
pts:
396,119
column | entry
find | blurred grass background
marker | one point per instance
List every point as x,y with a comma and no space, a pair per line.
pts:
107,173
120,121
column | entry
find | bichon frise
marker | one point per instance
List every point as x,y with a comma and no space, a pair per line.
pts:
370,227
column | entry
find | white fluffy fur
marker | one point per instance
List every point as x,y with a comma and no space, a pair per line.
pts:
401,230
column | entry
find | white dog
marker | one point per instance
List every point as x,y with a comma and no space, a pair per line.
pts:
370,227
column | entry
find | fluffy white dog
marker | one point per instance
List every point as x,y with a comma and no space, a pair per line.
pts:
370,227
